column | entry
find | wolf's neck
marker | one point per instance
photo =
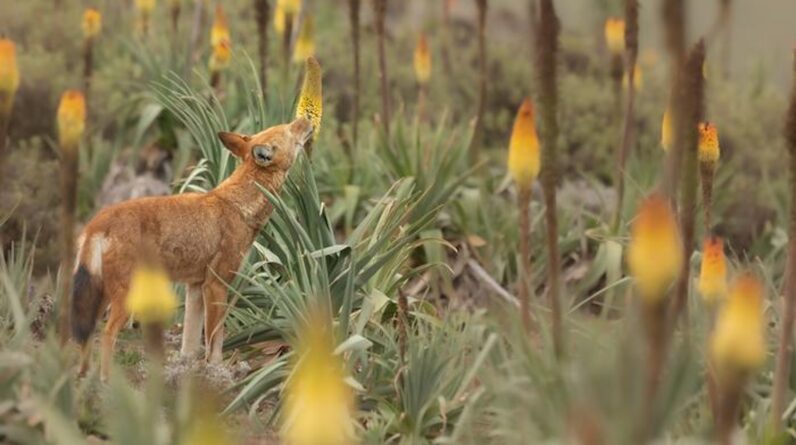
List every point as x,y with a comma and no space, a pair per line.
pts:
242,191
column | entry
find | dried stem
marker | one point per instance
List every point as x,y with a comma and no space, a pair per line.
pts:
69,159
547,51
707,171
353,13
785,348
5,118
482,81
262,13
287,39
674,26
196,32
154,342
524,282
730,389
403,321
631,43
88,65
687,118
380,10
447,65
176,9
654,318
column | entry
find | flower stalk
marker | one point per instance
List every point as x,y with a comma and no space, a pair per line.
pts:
353,15
547,62
305,43
629,45
615,39
222,48
785,346
92,24
482,81
262,10
380,12
310,102
71,122
524,165
145,9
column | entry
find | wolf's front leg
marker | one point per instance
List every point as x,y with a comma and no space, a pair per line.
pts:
193,320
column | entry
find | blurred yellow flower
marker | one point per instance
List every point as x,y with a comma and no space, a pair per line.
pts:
737,343
422,60
713,271
71,119
145,6
709,151
305,44
319,405
92,23
289,7
310,103
638,79
222,54
279,20
151,298
9,75
666,131
655,253
220,30
523,160
615,35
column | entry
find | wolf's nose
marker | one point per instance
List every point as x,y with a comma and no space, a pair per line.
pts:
263,153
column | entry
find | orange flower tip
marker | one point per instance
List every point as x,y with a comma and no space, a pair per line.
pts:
9,75
422,60
92,23
71,119
220,29
666,131
709,150
524,160
655,254
712,282
615,35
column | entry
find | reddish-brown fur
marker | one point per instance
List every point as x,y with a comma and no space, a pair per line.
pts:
199,238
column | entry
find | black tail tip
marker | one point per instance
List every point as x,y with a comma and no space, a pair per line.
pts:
82,320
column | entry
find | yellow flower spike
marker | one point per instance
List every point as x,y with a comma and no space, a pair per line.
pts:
289,7
151,299
305,43
220,30
709,151
615,35
638,79
713,271
655,253
319,405
279,20
71,119
9,75
310,103
666,131
221,56
145,6
92,23
523,160
737,344
422,60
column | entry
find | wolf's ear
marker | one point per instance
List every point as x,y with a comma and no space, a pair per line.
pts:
236,143
302,130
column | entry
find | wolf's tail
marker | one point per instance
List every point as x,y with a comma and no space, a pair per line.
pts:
87,288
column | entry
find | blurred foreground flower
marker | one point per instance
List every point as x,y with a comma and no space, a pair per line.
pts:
666,130
219,59
319,405
9,75
615,35
638,79
422,60
145,8
92,23
71,119
151,298
305,44
220,30
310,103
523,160
737,344
655,253
713,271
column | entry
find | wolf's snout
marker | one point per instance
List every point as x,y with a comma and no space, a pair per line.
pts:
263,154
